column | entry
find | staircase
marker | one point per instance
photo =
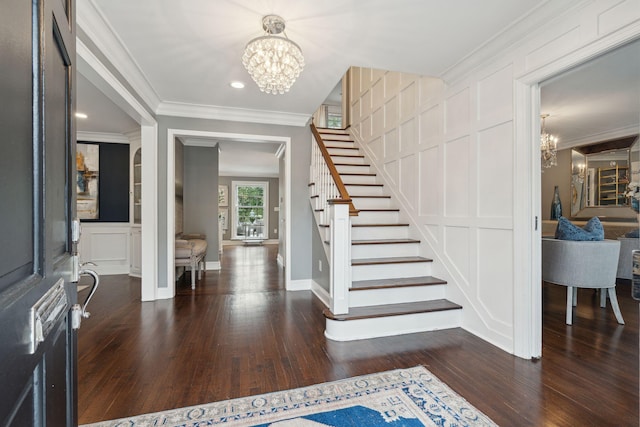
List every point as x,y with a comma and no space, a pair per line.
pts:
392,291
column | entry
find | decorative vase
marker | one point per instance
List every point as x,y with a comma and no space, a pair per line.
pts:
556,205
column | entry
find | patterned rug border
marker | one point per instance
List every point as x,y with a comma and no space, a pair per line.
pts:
251,408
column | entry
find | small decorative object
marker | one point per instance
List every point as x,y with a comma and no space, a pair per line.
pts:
223,195
556,205
633,193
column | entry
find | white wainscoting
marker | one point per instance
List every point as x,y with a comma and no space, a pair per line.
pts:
107,245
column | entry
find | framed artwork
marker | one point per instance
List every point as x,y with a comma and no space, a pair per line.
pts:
87,176
223,195
223,218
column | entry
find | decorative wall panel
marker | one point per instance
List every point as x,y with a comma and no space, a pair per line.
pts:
495,183
457,244
408,167
456,178
429,173
431,126
408,135
495,96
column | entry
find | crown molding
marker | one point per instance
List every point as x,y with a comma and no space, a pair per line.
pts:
96,27
116,138
232,114
599,137
518,32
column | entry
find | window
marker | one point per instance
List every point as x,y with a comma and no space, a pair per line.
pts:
250,210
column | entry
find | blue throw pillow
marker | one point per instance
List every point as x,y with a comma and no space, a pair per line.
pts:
592,230
633,233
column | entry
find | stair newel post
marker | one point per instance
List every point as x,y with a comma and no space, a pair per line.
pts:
340,238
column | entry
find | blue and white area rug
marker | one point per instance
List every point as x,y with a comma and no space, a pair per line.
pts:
404,397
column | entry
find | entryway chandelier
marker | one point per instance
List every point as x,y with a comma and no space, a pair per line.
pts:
548,146
274,62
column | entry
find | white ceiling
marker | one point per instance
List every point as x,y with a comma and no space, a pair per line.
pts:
188,51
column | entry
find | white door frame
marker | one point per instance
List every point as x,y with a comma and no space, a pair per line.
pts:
172,134
527,211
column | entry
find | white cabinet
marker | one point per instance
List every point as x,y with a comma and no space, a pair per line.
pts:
135,241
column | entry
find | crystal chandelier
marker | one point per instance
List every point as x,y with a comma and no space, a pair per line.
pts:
274,62
548,146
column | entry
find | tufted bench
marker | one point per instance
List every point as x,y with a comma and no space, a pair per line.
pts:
190,251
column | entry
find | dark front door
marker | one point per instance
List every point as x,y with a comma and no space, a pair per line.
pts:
37,149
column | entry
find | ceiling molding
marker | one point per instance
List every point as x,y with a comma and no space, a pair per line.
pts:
116,138
518,32
598,137
232,114
91,21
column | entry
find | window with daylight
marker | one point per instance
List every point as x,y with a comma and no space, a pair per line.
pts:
250,210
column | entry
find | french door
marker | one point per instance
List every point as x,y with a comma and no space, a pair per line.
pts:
37,342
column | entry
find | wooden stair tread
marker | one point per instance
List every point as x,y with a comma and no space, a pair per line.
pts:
390,260
350,164
380,210
371,312
383,241
341,148
363,285
351,156
357,174
363,185
370,197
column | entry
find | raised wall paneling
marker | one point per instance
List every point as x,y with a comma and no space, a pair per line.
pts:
377,148
391,112
376,75
457,244
429,177
561,42
377,93
408,100
431,91
408,135
391,143
408,182
456,178
391,168
107,245
430,126
625,12
365,104
495,277
495,96
391,83
457,113
377,125
366,127
135,264
495,147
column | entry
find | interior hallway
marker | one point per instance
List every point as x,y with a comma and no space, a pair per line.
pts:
239,333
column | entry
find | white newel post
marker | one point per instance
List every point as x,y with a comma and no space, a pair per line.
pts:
340,232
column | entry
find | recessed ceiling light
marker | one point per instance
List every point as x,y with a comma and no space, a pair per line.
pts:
237,85
81,115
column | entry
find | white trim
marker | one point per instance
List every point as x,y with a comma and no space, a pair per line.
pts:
172,134
299,285
527,337
603,136
212,265
97,28
179,109
321,293
234,208
280,260
114,138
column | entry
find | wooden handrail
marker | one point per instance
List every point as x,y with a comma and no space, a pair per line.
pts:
344,194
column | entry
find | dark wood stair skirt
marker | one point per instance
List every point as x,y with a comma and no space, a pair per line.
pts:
401,282
388,310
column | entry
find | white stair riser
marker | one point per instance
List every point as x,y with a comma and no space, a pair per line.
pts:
395,295
384,251
352,168
349,160
364,190
389,326
342,151
335,135
376,217
359,179
390,271
373,233
372,203
345,144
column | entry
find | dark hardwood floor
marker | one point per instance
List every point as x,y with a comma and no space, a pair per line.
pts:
239,333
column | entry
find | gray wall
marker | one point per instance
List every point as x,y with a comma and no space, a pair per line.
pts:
179,168
201,195
301,216
274,192
319,256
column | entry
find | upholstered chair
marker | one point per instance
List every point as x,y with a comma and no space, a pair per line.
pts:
582,264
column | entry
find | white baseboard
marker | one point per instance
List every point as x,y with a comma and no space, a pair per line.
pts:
321,293
240,242
299,285
212,265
